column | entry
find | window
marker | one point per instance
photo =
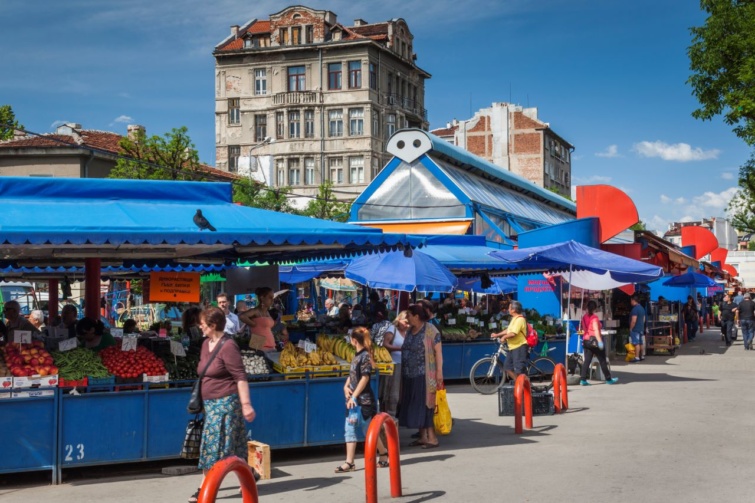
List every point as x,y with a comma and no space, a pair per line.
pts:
356,121
336,170
355,74
283,36
260,127
309,34
234,111
335,122
260,81
375,123
356,169
279,126
234,151
296,35
280,168
294,124
334,76
296,78
309,123
390,88
309,171
390,125
373,76
294,171
248,43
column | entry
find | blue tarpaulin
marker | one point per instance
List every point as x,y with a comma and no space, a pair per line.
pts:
506,284
305,272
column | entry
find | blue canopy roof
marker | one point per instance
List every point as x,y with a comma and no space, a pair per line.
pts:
464,253
69,218
304,272
576,256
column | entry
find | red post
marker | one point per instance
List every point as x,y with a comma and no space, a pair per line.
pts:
560,396
217,473
370,451
522,393
52,300
92,271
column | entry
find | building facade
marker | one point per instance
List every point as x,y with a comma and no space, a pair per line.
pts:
316,98
720,227
513,138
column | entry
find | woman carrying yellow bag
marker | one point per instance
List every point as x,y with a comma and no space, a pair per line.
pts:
442,420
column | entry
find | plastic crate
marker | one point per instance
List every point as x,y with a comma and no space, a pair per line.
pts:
68,383
542,402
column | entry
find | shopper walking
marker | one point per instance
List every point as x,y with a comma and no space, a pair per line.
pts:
746,312
637,327
390,385
225,393
691,318
728,313
591,325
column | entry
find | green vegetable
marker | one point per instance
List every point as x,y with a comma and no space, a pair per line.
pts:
79,363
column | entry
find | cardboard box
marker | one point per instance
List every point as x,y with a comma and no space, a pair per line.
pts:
35,381
259,458
6,382
32,393
160,378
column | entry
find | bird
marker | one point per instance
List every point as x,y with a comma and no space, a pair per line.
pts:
201,222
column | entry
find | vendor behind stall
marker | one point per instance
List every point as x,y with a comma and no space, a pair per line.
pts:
93,335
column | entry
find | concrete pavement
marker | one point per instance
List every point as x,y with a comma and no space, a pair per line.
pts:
675,429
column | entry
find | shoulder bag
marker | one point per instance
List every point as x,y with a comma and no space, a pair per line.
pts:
196,405
591,342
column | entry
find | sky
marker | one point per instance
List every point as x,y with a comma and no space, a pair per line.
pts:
608,76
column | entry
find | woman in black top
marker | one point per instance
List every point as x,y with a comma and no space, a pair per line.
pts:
728,311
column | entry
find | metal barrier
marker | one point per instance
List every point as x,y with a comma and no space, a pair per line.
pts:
217,473
522,393
370,451
560,396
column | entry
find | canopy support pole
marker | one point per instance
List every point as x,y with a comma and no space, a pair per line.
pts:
568,317
92,268
52,301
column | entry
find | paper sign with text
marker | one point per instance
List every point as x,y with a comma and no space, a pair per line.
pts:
22,336
492,325
177,348
116,332
174,286
451,321
128,343
307,346
68,344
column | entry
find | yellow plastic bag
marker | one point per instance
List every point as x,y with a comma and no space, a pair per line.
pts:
442,417
631,354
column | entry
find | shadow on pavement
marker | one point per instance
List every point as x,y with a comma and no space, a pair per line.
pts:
629,378
425,459
430,495
473,433
310,484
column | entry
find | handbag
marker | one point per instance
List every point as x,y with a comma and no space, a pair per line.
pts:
196,405
590,343
193,438
442,419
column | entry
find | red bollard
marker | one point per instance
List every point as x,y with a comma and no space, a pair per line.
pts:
370,452
522,393
217,473
560,396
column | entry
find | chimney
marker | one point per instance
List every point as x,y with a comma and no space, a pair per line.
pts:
235,31
67,129
133,130
360,22
18,134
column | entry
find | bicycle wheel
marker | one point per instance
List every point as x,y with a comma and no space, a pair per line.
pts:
487,375
540,371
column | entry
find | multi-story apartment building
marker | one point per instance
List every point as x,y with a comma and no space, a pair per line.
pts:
318,98
514,138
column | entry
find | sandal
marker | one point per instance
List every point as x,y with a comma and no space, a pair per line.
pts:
193,498
431,446
350,467
416,443
381,463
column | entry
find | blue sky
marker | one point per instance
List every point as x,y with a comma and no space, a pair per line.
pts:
608,76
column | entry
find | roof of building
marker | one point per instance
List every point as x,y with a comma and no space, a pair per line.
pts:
445,131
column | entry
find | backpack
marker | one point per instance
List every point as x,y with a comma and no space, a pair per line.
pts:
531,336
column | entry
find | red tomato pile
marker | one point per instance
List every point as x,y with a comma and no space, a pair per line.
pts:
130,364
29,359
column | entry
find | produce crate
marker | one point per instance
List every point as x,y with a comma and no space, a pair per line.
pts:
335,370
259,458
32,393
156,379
128,383
101,383
6,382
35,381
384,368
76,383
542,402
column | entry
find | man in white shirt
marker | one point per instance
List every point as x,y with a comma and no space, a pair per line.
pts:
232,326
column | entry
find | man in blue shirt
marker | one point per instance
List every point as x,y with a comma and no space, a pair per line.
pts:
637,327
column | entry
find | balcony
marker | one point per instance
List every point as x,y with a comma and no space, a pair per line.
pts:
295,98
408,105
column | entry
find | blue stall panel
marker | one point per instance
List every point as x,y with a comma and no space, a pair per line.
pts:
452,360
473,351
326,410
166,422
280,407
29,431
101,428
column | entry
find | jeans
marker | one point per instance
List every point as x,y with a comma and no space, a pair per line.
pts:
692,326
727,326
747,328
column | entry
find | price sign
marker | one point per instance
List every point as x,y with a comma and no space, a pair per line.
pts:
116,332
22,336
451,321
68,344
163,333
128,343
472,320
492,324
177,348
484,312
307,346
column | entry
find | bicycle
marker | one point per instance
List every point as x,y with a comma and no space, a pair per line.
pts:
487,375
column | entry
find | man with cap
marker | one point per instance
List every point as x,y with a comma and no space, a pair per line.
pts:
746,314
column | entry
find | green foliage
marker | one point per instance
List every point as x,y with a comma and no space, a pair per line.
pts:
556,190
751,245
639,226
8,122
170,157
722,59
326,207
742,206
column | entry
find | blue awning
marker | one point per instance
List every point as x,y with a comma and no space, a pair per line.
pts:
464,253
305,272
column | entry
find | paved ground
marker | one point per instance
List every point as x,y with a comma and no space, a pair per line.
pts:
675,429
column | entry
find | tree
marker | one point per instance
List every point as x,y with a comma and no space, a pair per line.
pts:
8,122
742,205
639,226
326,206
257,195
170,157
722,58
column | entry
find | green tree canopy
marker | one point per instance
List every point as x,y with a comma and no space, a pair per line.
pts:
256,195
8,122
722,59
326,206
742,206
168,157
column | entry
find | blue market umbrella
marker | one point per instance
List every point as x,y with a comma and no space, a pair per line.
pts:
505,284
396,271
690,279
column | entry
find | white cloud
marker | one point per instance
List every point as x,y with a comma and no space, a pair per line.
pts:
121,119
718,200
610,151
680,152
680,200
727,175
657,223
592,180
687,218
665,199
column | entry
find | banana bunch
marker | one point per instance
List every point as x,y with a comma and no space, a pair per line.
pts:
325,343
382,355
292,356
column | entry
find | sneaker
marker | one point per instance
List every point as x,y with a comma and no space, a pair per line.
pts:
636,360
584,383
612,380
